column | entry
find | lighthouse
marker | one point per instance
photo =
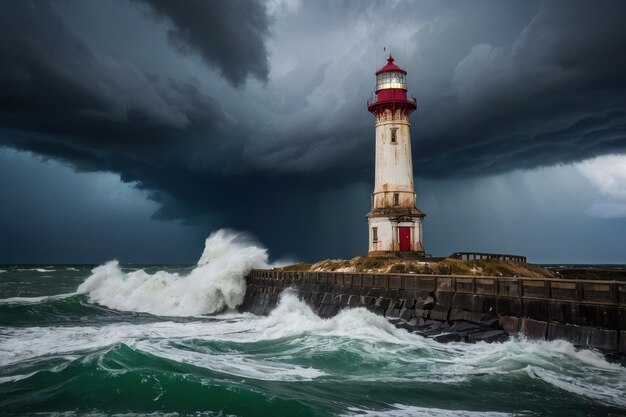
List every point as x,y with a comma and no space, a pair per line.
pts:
395,223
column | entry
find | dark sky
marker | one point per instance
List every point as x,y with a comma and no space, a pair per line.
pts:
132,129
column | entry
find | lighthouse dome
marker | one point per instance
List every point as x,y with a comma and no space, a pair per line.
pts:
390,76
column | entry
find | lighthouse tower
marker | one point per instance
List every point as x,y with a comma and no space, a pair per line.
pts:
395,223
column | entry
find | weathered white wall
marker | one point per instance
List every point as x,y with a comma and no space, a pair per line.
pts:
394,169
388,234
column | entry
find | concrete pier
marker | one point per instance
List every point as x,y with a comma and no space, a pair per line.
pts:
586,313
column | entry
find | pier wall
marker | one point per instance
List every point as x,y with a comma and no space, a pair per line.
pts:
585,313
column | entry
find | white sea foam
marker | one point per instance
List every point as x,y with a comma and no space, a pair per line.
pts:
15,378
378,351
292,317
35,300
36,270
216,283
401,410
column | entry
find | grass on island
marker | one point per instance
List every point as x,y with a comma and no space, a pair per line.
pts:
448,266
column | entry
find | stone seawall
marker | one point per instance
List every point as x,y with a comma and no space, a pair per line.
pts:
454,308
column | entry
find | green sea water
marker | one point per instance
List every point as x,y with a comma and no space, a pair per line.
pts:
96,349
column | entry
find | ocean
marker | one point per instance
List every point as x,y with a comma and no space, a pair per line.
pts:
165,340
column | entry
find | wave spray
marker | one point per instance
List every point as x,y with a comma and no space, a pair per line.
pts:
215,284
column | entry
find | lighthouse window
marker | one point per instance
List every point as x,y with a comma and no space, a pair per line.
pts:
390,80
396,199
394,135
374,234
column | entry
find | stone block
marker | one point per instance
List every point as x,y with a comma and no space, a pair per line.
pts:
508,287
354,301
465,327
485,286
439,312
510,323
336,301
366,301
462,301
563,312
457,314
393,293
409,303
492,323
425,304
600,316
407,314
488,336
345,300
423,295
448,337
444,298
392,313
475,316
490,304
328,298
444,284
534,329
382,302
316,298
535,309
569,332
598,338
509,306
622,342
483,303
409,294
378,310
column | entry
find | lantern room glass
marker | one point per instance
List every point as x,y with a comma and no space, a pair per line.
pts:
390,80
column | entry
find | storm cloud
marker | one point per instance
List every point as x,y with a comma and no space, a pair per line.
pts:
229,34
275,115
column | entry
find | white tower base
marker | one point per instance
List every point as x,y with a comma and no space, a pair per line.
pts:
393,235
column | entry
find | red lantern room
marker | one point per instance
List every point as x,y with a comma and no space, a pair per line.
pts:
391,90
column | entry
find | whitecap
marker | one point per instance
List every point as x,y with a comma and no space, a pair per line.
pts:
401,410
35,300
36,270
215,284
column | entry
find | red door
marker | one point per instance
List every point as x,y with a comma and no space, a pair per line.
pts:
405,238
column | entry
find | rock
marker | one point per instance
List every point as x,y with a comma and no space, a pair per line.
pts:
448,337
354,301
406,314
509,324
488,336
393,313
439,312
425,304
382,302
491,323
404,326
414,322
457,314
366,300
465,327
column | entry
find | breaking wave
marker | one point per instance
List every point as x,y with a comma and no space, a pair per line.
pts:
215,284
